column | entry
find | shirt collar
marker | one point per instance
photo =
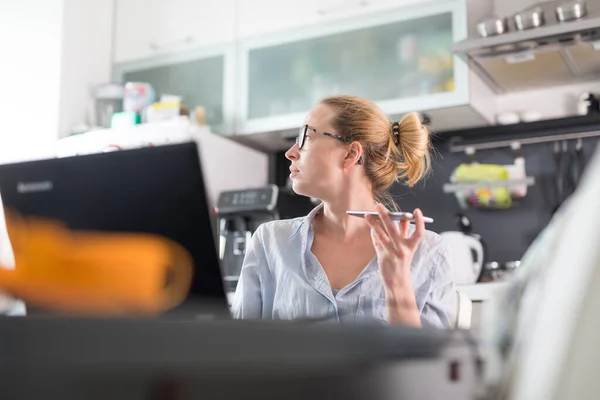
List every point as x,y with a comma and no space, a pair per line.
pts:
306,221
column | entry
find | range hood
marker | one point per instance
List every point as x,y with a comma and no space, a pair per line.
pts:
551,55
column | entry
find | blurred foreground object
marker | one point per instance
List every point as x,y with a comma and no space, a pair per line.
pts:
545,329
94,272
8,305
144,359
11,307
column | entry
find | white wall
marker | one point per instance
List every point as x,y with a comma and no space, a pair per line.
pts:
86,57
30,47
53,52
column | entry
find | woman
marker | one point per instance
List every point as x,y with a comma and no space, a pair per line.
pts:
329,265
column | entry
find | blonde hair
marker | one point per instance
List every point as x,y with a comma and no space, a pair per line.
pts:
386,158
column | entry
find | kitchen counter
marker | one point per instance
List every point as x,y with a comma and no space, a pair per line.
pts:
483,291
483,296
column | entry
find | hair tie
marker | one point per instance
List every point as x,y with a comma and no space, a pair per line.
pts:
396,133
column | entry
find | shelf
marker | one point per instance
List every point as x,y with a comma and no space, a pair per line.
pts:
510,183
558,126
542,33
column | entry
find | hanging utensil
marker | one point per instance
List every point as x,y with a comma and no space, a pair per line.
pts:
560,161
577,164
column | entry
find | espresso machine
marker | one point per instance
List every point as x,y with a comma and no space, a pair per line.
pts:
240,212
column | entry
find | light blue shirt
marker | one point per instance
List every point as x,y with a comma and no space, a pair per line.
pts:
282,279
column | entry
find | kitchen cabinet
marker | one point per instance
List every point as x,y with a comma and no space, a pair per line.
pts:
401,59
201,77
149,28
259,17
131,30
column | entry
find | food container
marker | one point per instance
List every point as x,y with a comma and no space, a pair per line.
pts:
137,96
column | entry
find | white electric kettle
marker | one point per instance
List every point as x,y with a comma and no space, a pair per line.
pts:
466,253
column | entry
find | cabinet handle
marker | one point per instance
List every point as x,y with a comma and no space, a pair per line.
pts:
162,45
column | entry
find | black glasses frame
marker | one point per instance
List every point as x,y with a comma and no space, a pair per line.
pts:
301,139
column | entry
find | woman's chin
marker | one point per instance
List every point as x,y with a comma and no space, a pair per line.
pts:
302,189
298,187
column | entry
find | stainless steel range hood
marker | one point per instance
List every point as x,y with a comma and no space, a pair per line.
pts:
551,55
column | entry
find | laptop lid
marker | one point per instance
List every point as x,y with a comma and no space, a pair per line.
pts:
158,190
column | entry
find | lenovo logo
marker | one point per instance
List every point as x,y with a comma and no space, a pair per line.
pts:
34,187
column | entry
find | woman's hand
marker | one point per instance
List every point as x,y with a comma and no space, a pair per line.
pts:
395,251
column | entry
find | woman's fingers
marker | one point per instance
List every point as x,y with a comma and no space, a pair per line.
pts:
404,228
388,223
419,228
392,237
378,233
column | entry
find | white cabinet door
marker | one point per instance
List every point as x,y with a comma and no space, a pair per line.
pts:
147,28
259,17
401,59
132,28
192,23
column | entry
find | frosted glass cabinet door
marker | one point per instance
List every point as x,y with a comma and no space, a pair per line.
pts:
400,59
200,81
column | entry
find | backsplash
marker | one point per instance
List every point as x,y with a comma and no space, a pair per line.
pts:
507,233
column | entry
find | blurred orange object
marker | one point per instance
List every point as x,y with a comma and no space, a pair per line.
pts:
97,273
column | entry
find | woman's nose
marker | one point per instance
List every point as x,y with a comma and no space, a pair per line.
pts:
292,153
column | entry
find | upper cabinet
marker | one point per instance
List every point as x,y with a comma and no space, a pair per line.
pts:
148,28
401,59
259,66
200,77
259,17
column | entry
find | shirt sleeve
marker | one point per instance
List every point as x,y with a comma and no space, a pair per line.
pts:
440,305
247,301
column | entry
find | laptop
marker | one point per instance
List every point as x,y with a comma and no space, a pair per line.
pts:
158,190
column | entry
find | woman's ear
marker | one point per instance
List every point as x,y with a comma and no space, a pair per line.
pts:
354,155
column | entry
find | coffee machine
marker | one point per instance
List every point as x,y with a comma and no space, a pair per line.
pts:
240,212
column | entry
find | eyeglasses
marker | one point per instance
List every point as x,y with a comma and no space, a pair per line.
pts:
302,136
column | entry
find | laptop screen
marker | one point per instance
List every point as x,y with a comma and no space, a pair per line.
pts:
158,190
